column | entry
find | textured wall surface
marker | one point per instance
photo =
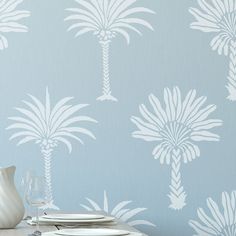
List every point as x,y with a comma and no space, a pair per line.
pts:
159,129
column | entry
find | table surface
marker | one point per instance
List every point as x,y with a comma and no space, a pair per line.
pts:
23,229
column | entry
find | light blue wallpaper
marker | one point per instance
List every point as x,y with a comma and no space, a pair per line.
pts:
138,122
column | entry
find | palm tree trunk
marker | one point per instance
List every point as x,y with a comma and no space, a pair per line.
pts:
106,73
177,194
47,154
231,86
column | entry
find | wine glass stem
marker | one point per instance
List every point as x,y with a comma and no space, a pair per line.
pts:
37,218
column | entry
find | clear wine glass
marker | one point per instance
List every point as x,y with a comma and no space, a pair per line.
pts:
24,186
36,197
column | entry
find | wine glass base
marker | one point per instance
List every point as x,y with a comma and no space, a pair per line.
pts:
28,218
35,233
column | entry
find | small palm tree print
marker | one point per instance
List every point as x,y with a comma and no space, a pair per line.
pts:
175,128
47,127
219,223
219,17
120,211
106,19
8,20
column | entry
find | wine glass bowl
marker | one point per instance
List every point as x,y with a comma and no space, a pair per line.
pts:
24,188
36,197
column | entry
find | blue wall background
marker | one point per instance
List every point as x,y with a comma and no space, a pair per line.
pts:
172,55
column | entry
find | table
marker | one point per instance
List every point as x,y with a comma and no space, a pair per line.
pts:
23,229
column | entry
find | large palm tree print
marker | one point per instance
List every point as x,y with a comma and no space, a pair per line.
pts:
106,19
121,211
48,126
219,17
175,128
8,20
219,222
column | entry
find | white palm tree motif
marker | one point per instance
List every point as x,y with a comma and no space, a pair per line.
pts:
219,17
174,128
119,211
8,20
106,19
49,126
219,223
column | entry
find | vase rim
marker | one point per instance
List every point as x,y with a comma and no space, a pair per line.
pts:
7,168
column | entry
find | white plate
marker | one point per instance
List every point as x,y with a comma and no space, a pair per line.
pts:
66,221
73,216
92,232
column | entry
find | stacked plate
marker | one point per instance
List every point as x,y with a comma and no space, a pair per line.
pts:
91,232
81,225
74,219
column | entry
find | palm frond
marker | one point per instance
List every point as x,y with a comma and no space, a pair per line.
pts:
38,114
105,202
91,8
24,133
119,207
12,27
141,222
78,130
217,221
119,211
23,127
101,12
176,125
65,141
125,25
8,20
204,136
107,18
86,207
159,111
39,104
65,115
26,121
94,204
81,25
85,13
14,16
78,119
66,134
84,31
3,42
130,214
134,11
148,132
59,108
31,116
83,18
121,8
47,108
50,125
26,140
10,5
113,4
123,33
58,113
207,124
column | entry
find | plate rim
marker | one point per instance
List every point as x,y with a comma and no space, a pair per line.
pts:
122,232
45,220
97,216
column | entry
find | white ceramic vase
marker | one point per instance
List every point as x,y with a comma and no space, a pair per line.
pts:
11,206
